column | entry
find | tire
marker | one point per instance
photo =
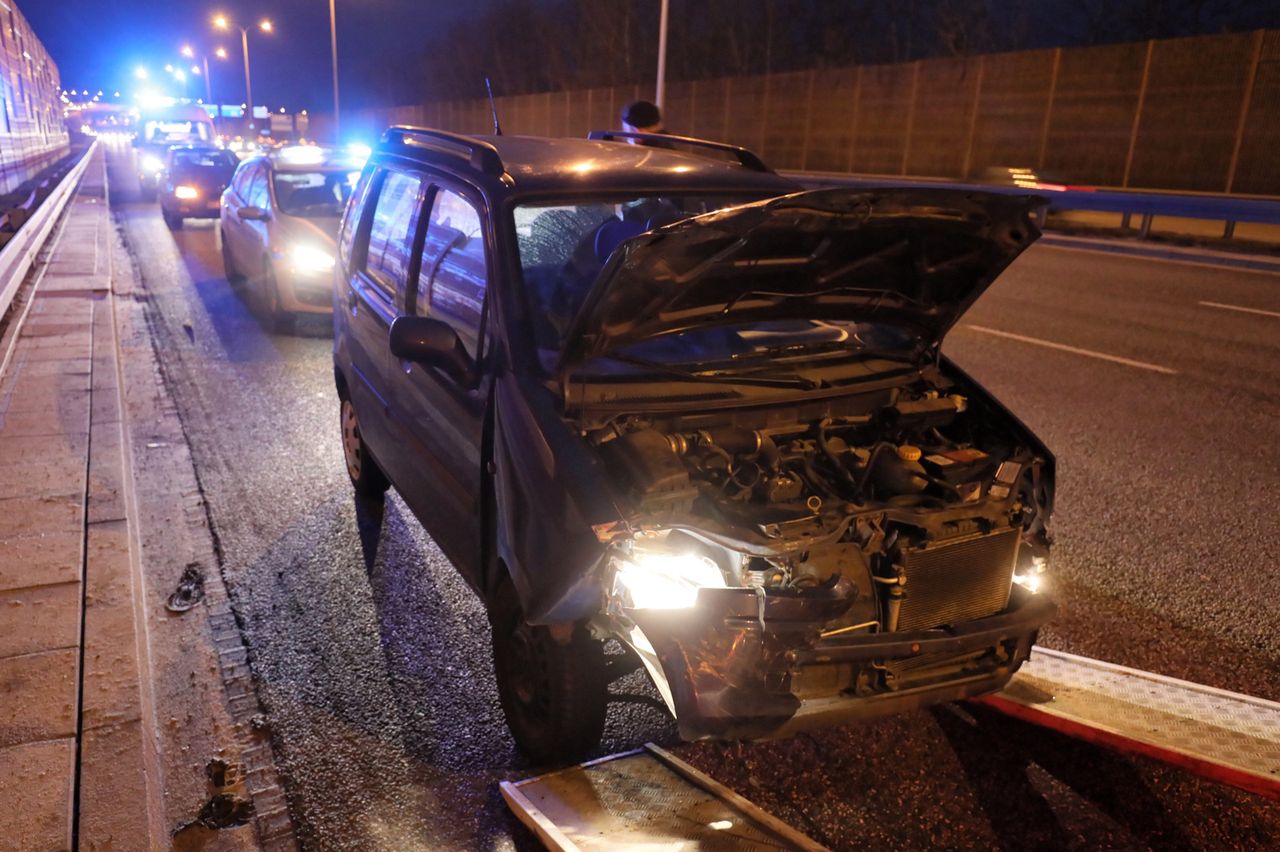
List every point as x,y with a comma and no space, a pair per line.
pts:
553,696
174,222
234,278
281,321
367,478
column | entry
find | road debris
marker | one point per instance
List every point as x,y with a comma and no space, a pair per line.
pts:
190,589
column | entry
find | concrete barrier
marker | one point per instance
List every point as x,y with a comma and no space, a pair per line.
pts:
32,229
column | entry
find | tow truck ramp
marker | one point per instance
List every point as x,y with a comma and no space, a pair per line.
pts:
1225,736
644,799
650,799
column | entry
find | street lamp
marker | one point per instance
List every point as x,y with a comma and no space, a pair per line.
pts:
223,23
333,44
189,52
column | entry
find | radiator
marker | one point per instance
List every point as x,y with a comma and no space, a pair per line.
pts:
957,581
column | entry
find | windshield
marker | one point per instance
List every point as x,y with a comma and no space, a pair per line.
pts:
314,195
563,246
204,160
176,131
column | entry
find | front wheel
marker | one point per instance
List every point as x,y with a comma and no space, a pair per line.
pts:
282,321
172,220
554,696
234,278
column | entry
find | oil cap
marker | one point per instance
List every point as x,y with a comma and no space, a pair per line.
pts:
909,453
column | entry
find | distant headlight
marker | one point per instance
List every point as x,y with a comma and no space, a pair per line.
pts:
310,259
186,193
661,580
152,163
1032,579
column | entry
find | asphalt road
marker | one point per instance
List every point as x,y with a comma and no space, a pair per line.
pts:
372,657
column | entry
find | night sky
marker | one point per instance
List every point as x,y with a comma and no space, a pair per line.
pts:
98,43
382,44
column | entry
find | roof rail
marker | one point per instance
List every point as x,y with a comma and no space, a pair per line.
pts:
481,155
747,159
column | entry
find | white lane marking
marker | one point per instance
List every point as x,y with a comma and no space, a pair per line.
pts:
1049,344
1242,310
1126,255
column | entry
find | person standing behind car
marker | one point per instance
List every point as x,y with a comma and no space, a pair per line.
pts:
643,117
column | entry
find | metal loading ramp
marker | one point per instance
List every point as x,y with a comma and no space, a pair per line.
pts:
1224,736
644,799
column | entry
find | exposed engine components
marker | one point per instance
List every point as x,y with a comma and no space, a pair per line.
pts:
893,507
898,453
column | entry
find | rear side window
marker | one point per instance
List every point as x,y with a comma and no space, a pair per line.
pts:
452,279
257,195
391,230
351,220
241,181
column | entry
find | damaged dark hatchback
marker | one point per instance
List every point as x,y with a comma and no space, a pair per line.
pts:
665,396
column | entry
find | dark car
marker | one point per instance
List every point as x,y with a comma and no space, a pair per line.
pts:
668,398
192,182
279,219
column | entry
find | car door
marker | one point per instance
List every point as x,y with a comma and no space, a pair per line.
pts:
235,230
257,232
438,423
231,201
379,268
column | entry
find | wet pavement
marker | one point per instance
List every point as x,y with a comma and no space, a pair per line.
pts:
372,659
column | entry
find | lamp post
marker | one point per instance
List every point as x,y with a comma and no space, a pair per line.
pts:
333,43
222,23
190,53
660,93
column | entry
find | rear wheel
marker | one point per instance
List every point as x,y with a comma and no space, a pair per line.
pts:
366,477
553,695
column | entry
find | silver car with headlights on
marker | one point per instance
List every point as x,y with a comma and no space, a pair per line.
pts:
277,225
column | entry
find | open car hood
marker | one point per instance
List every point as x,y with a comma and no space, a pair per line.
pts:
917,258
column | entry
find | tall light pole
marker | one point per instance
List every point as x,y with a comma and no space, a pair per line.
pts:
662,54
333,43
189,53
222,23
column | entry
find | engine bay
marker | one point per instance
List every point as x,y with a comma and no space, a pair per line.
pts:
919,504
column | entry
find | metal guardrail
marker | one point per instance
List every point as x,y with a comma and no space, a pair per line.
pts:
24,229
1228,209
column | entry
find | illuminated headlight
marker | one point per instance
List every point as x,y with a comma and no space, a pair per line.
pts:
186,193
661,580
1033,579
310,259
152,163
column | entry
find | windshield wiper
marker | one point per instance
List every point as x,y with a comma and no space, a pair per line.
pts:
785,381
869,293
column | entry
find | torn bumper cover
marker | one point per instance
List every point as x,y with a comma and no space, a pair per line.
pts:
737,669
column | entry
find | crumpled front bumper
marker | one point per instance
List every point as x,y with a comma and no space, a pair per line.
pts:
742,667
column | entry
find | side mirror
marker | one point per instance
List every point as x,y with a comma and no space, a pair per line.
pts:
433,343
253,214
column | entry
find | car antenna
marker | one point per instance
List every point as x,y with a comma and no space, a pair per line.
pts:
493,108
